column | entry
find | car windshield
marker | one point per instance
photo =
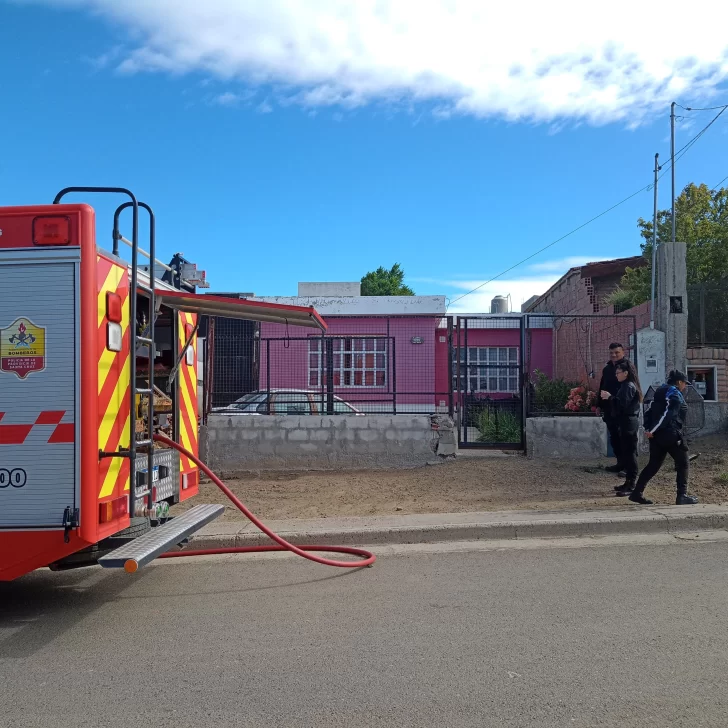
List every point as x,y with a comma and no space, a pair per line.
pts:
248,402
341,407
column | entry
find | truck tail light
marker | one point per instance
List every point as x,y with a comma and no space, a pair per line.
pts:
111,510
113,307
113,328
54,230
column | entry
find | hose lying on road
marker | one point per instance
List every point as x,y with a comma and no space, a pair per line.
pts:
282,544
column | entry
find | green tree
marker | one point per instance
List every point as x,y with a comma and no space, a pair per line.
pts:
702,223
383,282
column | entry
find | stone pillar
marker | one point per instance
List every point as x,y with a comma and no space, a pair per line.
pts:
671,309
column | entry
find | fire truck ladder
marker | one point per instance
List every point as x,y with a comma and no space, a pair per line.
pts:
142,337
145,548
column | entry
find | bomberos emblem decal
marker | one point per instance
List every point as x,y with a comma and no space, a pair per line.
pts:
22,348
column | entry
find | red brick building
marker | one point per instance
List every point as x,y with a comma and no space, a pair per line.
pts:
587,325
581,345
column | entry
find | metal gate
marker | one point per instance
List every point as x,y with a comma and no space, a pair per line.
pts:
488,381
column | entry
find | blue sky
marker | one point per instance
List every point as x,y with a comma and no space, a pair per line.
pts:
276,148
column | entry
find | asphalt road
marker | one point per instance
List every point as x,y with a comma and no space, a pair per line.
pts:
616,636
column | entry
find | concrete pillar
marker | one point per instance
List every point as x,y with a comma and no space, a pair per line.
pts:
671,314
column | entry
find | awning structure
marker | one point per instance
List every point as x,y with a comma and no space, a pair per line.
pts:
241,308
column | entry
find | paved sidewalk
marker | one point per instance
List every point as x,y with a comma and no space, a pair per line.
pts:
428,528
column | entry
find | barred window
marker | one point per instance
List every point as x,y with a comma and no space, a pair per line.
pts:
488,369
359,361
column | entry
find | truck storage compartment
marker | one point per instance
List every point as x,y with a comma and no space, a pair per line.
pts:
39,388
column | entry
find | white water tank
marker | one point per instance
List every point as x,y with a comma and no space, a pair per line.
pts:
499,304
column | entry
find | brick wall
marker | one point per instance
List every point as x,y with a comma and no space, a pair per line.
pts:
581,345
713,357
581,348
577,294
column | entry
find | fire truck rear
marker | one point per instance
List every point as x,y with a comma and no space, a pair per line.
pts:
96,356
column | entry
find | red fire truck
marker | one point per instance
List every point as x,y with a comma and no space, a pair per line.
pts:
88,342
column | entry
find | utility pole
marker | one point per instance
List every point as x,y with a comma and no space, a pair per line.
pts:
654,243
672,167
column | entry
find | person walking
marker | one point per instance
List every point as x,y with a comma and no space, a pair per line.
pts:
608,387
664,426
625,412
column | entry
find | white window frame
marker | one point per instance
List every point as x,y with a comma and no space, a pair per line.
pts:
345,356
714,367
485,375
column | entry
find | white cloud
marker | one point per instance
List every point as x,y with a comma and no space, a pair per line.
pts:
535,60
540,277
519,289
103,61
227,99
562,265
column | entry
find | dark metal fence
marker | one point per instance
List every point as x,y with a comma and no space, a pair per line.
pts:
489,372
487,381
361,365
708,314
565,356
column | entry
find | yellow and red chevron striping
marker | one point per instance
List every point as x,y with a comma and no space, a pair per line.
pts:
187,383
114,369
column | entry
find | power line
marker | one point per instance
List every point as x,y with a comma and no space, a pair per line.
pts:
707,108
685,149
680,153
719,183
558,240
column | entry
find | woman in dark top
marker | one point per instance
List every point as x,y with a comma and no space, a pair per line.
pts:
625,409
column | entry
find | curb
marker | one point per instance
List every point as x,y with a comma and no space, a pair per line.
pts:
432,528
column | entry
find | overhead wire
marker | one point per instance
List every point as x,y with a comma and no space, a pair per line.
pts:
715,187
666,167
706,108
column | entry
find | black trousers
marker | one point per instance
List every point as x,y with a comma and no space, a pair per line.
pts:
615,438
629,449
661,445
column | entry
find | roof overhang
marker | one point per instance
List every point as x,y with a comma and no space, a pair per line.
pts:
238,308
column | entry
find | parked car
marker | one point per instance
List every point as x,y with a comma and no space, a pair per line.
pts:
285,402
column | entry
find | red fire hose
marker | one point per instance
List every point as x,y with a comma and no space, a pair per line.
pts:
282,544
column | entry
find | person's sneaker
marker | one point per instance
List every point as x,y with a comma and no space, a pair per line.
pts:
639,498
613,468
624,489
622,474
686,500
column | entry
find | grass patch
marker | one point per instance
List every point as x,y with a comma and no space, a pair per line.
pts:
498,427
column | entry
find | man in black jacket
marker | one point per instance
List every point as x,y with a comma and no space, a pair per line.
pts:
610,384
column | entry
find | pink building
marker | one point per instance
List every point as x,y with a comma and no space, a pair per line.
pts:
491,356
396,353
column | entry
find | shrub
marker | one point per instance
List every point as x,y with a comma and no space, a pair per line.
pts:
550,395
494,426
622,300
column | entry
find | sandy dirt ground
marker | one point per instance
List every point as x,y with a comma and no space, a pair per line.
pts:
480,482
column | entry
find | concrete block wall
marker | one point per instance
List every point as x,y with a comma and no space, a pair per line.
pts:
578,438
236,444
716,419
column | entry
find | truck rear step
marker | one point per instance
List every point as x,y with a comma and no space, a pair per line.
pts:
161,539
